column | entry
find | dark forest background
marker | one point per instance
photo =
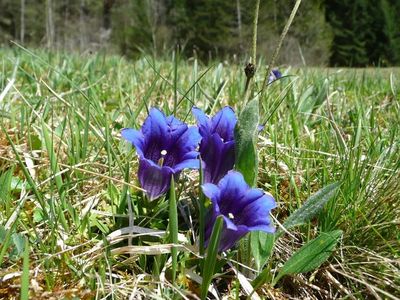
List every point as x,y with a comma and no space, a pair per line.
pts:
336,33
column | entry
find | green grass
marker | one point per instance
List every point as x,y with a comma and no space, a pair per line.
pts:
67,180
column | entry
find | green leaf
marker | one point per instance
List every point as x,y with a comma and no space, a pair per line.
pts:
202,212
19,243
211,258
53,157
311,207
246,139
263,277
173,227
261,247
311,255
35,142
16,184
38,215
5,185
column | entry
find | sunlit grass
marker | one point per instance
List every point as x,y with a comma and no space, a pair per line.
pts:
67,180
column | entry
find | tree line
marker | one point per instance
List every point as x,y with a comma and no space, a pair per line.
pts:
343,32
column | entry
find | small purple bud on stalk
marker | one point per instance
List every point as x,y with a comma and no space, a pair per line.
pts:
274,75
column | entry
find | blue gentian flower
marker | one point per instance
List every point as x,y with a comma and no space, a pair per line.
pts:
244,209
165,146
274,75
217,147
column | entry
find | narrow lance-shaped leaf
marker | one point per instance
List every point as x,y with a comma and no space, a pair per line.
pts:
211,258
311,207
173,227
311,255
246,160
25,273
5,185
261,245
202,212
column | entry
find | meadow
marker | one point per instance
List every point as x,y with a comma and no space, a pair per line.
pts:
75,223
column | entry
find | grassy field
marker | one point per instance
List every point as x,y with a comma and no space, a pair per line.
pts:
69,197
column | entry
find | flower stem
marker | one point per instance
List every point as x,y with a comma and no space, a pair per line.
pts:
255,24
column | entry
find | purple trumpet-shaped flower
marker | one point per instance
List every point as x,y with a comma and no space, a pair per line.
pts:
217,147
165,146
274,75
244,209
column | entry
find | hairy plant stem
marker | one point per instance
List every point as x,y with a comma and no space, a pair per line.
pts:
278,48
250,68
253,58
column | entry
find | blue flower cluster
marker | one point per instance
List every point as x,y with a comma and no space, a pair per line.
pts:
166,146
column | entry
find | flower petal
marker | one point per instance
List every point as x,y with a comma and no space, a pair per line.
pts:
277,73
229,224
155,131
244,209
219,157
230,237
135,137
190,155
202,121
274,75
189,140
255,215
224,123
253,195
211,191
175,130
269,228
187,164
233,187
153,178
155,125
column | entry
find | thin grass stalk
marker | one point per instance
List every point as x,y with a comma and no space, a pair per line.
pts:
27,175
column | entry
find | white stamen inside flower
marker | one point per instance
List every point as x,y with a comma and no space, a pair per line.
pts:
231,216
161,160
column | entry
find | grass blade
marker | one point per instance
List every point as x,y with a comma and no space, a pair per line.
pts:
202,212
173,227
25,273
211,258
